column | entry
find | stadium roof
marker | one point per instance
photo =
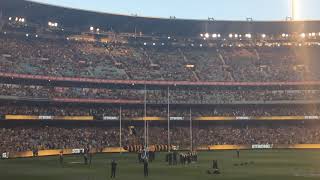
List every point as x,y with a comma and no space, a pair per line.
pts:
82,20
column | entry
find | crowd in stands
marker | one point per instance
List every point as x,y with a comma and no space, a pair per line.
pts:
24,139
69,58
160,96
67,92
160,111
19,139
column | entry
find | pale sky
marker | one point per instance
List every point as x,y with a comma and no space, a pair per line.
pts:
191,9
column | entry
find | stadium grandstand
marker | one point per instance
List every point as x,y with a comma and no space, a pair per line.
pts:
74,80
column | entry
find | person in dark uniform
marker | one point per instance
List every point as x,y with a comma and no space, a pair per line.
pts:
139,157
238,153
152,156
85,156
189,158
215,168
90,158
35,152
61,158
215,164
183,159
174,158
170,158
196,157
146,168
113,168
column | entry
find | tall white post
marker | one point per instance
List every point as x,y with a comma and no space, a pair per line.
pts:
191,132
169,143
145,119
120,126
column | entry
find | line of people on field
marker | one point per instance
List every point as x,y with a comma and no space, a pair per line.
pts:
184,158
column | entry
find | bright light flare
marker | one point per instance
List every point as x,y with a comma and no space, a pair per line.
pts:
296,9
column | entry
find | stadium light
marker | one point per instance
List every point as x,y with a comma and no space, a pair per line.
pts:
303,35
206,35
230,35
201,35
52,24
263,36
248,35
21,20
214,35
313,34
27,35
153,44
98,30
17,19
10,18
91,28
169,37
236,35
283,35
145,43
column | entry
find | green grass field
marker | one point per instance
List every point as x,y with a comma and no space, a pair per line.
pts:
268,165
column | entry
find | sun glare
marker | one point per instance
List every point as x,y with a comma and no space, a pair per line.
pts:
296,9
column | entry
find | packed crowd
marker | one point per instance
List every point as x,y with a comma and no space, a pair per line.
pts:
68,92
232,135
160,111
160,96
68,58
23,139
